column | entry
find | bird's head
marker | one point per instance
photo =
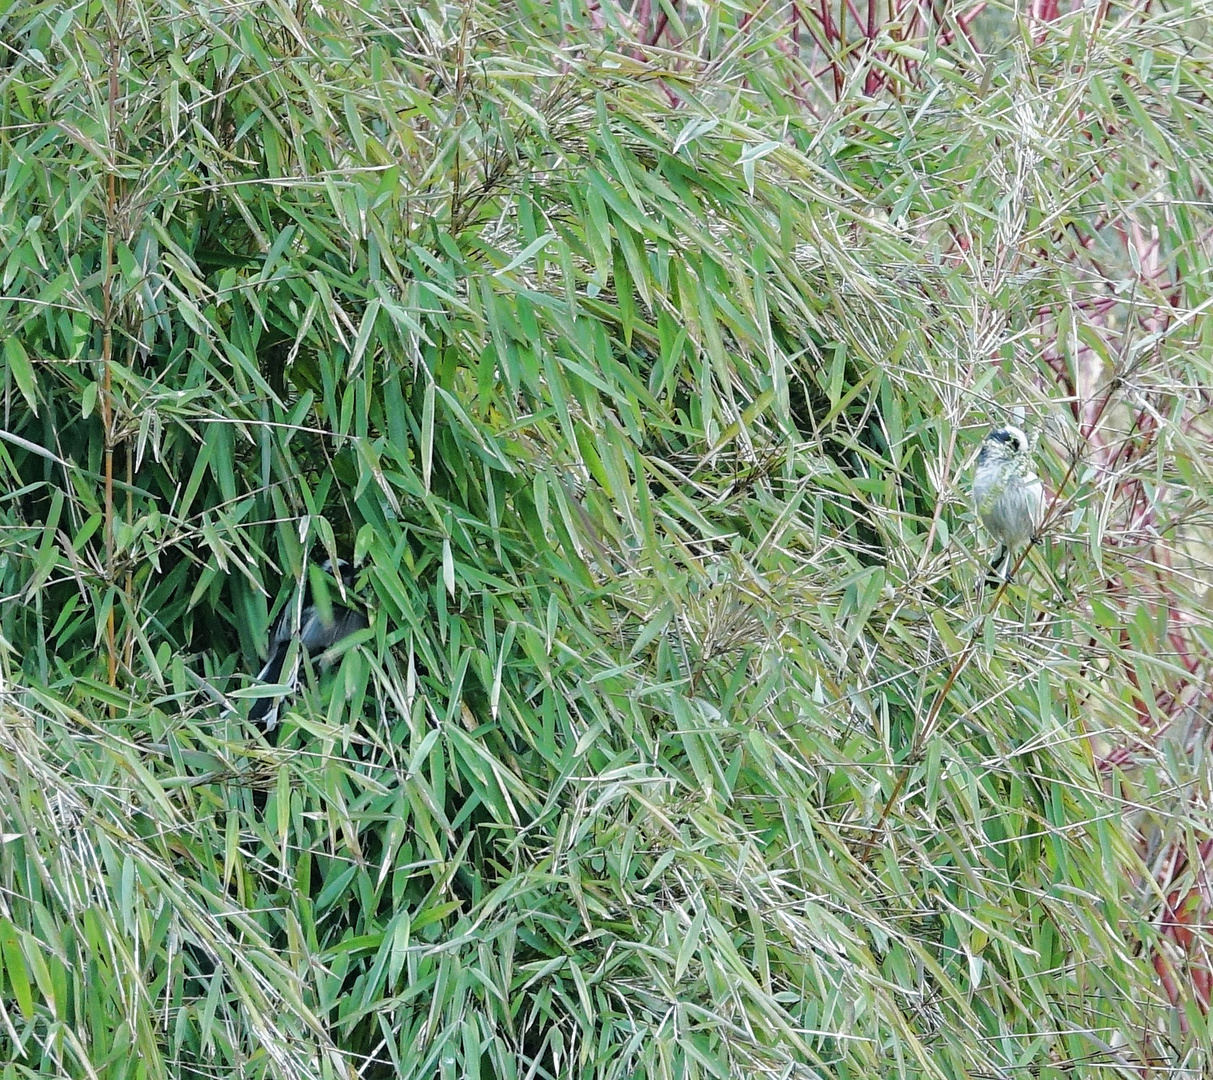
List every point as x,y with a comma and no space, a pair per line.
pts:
1003,444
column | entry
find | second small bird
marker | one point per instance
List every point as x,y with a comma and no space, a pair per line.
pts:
317,630
1009,497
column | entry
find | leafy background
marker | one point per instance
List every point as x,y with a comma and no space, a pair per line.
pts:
636,355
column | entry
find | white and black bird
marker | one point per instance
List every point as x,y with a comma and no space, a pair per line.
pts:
317,623
1009,497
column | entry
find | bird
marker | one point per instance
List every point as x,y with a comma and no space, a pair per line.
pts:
1009,497
317,626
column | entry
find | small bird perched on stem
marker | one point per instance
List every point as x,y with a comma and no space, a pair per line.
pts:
1009,497
319,624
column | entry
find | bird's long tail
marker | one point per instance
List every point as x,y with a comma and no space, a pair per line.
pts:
1000,567
264,712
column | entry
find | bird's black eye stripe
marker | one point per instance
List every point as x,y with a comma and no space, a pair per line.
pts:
1005,437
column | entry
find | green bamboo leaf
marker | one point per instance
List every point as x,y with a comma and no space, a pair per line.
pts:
15,968
18,362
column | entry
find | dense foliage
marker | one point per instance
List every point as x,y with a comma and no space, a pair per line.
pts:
635,359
